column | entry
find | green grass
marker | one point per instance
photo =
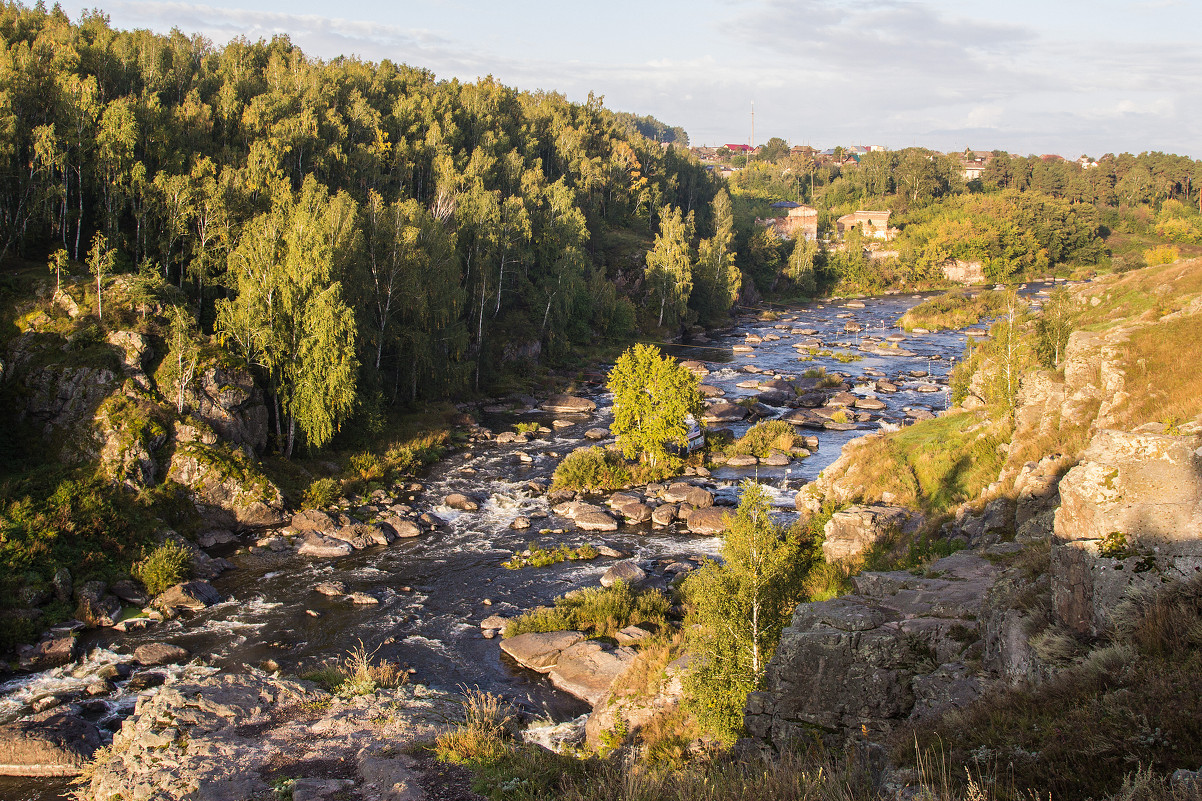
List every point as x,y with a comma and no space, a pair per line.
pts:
932,465
592,470
535,556
764,438
954,309
596,611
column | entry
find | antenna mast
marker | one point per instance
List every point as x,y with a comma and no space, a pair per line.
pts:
752,142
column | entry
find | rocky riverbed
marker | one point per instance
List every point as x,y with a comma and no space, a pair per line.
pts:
414,571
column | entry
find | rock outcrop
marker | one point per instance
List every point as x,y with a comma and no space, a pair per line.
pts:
897,649
54,744
1130,517
853,530
583,668
233,736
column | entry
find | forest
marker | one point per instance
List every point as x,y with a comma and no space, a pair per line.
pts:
1025,215
362,234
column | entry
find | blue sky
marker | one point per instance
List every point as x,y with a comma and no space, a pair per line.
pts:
1057,76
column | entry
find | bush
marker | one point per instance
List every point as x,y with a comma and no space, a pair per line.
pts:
358,675
1162,254
954,309
597,611
321,493
164,567
535,556
764,438
591,470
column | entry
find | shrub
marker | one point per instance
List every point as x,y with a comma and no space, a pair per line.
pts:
1162,254
535,556
527,428
321,493
164,567
598,611
591,470
358,675
764,438
954,309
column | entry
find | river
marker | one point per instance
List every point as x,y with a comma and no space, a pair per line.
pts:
435,589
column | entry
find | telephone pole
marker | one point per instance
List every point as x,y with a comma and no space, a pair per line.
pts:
752,142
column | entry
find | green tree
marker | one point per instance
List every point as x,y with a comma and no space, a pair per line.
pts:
670,263
58,265
737,611
1054,326
289,315
184,354
100,263
653,397
716,279
801,267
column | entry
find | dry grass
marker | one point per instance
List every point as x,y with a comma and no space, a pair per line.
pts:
1132,703
1162,375
1162,289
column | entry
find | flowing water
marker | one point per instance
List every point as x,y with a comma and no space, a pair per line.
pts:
435,589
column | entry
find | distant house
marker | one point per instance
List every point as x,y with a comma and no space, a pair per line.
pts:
740,148
872,224
972,170
800,221
802,150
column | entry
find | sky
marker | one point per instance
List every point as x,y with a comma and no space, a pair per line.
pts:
1074,77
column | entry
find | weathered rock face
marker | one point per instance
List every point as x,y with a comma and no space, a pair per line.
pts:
227,400
853,530
963,272
226,487
56,744
1130,516
568,404
895,650
232,736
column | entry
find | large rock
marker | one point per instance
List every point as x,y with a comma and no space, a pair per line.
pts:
229,736
227,487
895,650
188,595
596,521
853,530
313,520
96,607
461,502
402,527
627,572
723,412
160,653
540,651
1130,517
587,669
56,648
710,522
686,493
324,547
568,404
226,398
57,745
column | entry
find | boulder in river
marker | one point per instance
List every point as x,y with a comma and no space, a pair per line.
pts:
568,404
723,412
160,653
627,572
461,502
313,520
681,492
55,649
711,521
596,521
401,526
58,745
324,547
330,588
540,651
596,434
188,595
587,669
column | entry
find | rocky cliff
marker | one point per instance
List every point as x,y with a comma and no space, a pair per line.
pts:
1097,500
